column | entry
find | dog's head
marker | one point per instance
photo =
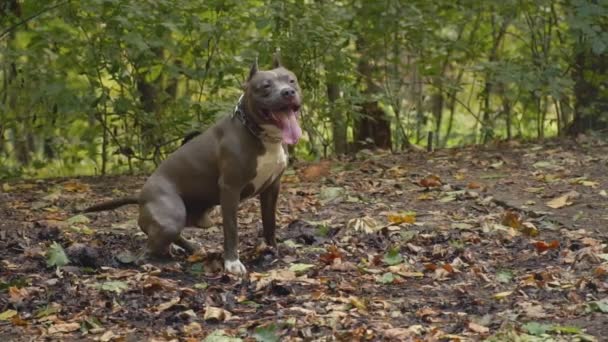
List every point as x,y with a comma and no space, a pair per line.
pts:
273,100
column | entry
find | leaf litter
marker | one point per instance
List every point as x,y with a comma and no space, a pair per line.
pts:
463,244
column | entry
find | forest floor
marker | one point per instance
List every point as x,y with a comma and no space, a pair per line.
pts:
488,243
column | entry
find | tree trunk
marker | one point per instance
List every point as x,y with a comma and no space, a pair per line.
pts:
590,102
339,119
372,130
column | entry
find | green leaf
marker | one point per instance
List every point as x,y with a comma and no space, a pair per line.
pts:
393,257
56,256
387,278
322,230
8,314
599,306
197,268
504,276
126,257
266,334
566,329
78,219
536,328
219,336
201,286
300,268
47,310
113,286
328,194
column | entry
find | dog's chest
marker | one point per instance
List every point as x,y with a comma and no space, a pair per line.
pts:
269,165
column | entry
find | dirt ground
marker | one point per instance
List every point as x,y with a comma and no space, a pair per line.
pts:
498,243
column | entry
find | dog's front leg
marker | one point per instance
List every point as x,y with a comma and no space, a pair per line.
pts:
229,202
268,205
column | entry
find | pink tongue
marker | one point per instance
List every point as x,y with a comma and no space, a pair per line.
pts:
291,129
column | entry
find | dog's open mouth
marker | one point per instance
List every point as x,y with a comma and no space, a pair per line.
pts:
286,120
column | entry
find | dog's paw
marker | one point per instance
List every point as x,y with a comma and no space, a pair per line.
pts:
235,267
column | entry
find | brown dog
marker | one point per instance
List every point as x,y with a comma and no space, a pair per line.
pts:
239,157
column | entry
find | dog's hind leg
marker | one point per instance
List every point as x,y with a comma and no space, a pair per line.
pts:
163,220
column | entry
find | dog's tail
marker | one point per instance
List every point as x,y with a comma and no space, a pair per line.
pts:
113,204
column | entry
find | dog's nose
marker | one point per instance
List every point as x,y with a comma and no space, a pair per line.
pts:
288,93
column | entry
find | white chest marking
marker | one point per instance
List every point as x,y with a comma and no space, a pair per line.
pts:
270,165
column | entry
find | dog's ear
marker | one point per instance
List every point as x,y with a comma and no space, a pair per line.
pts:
254,68
276,59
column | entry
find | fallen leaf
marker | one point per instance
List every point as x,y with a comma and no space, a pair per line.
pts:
267,333
63,328
300,268
474,185
398,334
502,295
8,314
113,286
107,336
533,311
536,328
542,246
329,194
478,328
332,254
511,219
386,278
392,257
17,295
56,256
314,172
430,181
192,328
216,314
74,186
409,217
220,336
167,305
364,224
563,201
358,303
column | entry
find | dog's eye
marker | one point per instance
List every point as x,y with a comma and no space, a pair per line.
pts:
267,86
292,81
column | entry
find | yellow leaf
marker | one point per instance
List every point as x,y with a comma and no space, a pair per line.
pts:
358,303
402,218
6,315
502,295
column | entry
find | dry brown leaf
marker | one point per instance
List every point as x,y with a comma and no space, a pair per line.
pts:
167,305
63,327
478,328
108,336
431,181
533,311
398,334
216,314
542,246
364,224
511,219
74,186
194,328
17,295
314,172
563,201
358,303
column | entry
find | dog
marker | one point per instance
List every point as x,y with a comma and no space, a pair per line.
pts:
239,157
